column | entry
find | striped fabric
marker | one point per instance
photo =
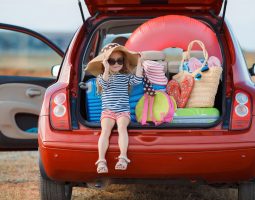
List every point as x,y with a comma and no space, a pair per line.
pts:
115,91
155,72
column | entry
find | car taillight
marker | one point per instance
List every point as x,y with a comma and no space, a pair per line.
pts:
59,110
241,111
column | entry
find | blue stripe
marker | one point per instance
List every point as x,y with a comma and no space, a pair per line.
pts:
115,95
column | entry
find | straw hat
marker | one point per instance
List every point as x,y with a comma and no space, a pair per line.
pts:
95,66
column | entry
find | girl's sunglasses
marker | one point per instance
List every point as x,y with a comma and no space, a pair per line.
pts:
112,61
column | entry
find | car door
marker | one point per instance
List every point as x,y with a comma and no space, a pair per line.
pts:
26,59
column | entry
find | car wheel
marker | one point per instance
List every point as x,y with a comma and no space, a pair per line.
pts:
51,190
246,191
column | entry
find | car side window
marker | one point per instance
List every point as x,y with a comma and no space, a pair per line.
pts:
24,55
92,49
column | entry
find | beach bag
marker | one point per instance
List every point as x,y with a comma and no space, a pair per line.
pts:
206,77
158,108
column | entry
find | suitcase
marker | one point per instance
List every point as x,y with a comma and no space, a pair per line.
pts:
196,115
93,102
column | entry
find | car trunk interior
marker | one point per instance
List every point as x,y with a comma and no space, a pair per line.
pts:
105,33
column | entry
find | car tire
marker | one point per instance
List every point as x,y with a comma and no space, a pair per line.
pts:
246,191
51,190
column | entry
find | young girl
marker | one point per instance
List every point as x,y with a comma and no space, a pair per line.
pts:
114,82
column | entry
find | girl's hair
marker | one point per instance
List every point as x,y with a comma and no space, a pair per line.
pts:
124,70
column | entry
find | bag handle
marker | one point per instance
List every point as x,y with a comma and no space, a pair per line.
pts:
205,55
201,44
170,114
148,107
145,109
186,55
151,110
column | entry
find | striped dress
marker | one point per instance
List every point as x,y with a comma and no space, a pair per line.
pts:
115,95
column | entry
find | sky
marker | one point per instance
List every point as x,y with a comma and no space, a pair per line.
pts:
64,16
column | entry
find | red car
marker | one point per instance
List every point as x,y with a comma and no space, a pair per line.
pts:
219,151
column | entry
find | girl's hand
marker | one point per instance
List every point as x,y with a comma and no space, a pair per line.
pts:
106,70
106,65
139,68
139,62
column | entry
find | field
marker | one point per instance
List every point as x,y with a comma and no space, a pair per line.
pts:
28,65
250,58
40,65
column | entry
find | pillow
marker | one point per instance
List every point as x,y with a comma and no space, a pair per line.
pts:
153,55
158,56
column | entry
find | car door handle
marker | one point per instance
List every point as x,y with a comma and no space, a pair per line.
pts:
31,92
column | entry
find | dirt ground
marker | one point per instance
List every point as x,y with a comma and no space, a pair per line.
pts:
19,181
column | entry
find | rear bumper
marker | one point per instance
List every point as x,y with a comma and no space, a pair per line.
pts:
219,166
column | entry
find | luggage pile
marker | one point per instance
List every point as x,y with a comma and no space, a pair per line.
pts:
173,91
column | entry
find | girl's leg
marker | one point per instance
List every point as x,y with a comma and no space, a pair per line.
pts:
103,143
122,123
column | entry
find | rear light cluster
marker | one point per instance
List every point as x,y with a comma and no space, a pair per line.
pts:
59,110
241,111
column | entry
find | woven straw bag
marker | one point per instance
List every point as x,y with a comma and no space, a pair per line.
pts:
205,89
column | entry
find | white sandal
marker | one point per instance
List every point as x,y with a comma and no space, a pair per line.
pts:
122,163
101,166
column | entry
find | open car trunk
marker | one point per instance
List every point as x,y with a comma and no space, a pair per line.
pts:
90,100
